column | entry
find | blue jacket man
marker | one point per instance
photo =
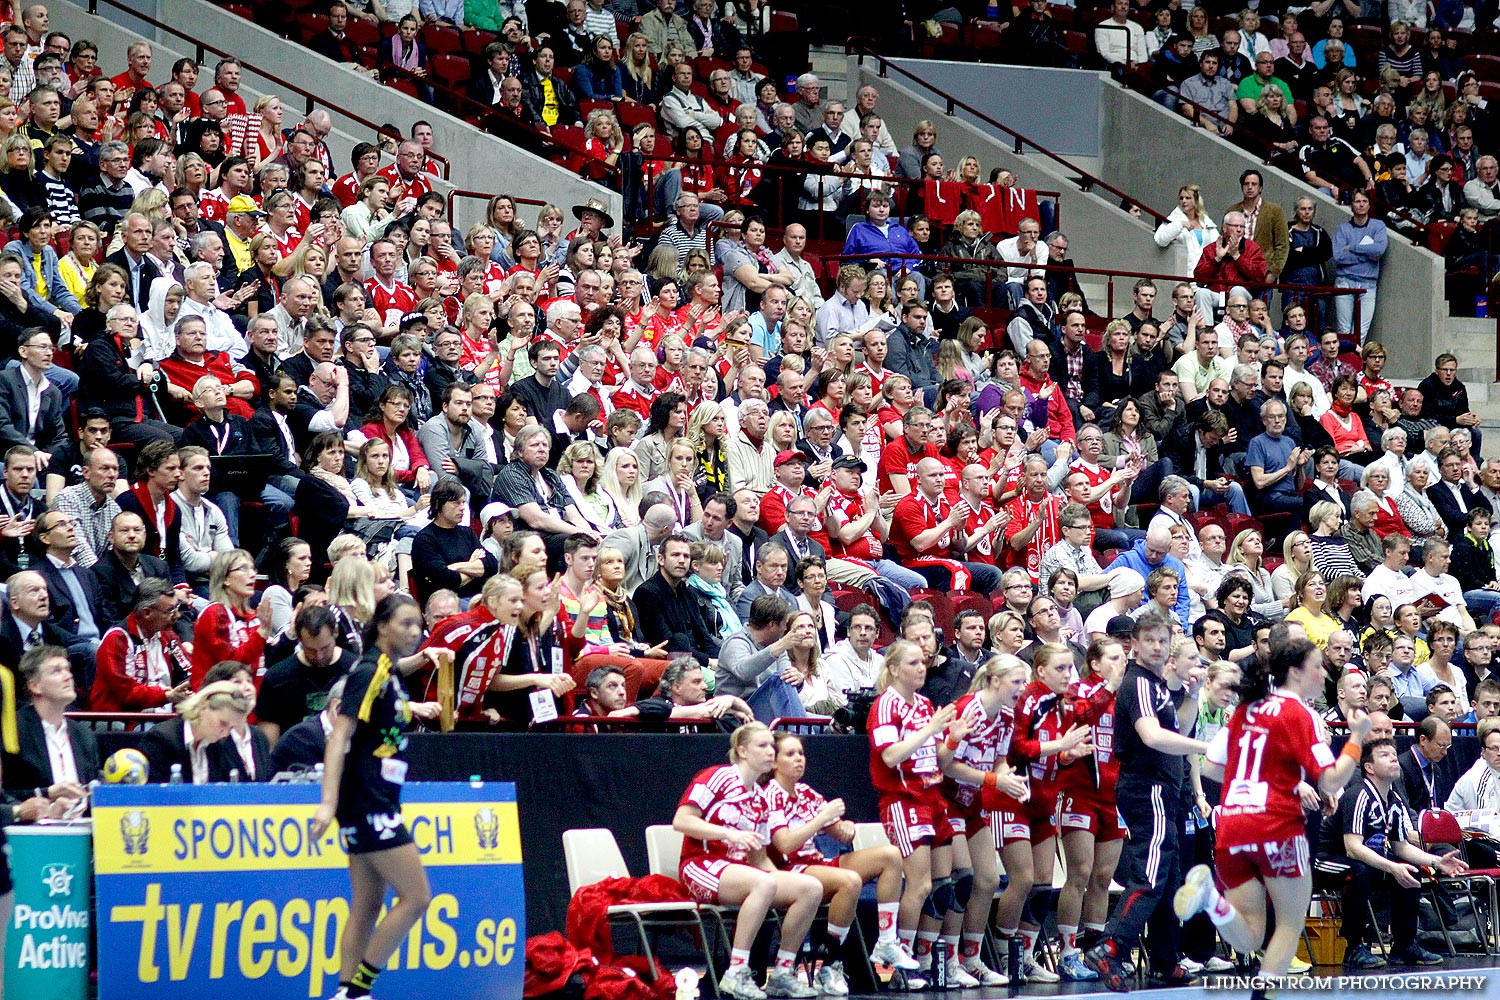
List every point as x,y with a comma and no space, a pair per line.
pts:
878,237
1151,553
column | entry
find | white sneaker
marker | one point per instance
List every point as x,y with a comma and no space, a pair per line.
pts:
894,954
1192,897
830,980
342,994
738,983
786,983
1189,966
1217,964
958,977
984,974
1033,971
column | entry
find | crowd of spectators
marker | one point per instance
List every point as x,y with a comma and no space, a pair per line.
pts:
248,396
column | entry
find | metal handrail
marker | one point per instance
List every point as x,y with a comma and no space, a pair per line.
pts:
312,100
456,193
1086,180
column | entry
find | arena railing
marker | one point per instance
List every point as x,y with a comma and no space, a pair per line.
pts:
573,723
1086,180
830,263
200,49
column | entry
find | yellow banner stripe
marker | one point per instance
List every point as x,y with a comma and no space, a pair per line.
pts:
277,838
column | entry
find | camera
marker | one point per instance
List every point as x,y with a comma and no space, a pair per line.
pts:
854,715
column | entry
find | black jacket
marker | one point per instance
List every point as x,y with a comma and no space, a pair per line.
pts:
32,766
535,98
140,295
164,746
15,415
300,747
1473,567
1447,506
117,588
108,381
266,439
11,646
1444,774
675,617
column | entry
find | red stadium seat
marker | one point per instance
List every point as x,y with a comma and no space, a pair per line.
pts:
404,86
240,10
1439,231
312,25
452,71
475,41
783,22
441,40
362,33
631,115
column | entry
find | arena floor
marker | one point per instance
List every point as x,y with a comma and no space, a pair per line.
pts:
1466,976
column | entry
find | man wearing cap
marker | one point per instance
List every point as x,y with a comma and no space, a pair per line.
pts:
857,527
789,470
927,532
239,230
1127,589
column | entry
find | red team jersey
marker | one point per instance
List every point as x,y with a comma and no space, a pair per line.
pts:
1041,717
988,741
1094,705
1267,748
790,809
914,515
893,719
843,508
725,800
416,187
1022,513
984,552
1101,511
897,458
391,303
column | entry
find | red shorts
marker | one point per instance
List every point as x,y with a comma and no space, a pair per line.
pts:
1032,821
1287,857
701,878
912,822
802,866
966,820
1092,811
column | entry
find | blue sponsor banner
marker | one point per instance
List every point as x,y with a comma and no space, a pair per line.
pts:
223,888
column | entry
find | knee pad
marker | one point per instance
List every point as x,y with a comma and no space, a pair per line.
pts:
963,886
940,901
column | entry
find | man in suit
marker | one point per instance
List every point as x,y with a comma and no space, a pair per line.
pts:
123,566
56,757
26,625
718,511
271,432
1450,495
333,42
72,589
638,544
676,616
31,407
772,564
486,87
1427,775
135,258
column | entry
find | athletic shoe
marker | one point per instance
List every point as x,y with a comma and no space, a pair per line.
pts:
830,980
1103,960
916,981
1415,954
1033,971
1217,964
738,983
894,954
1191,966
342,994
1179,976
786,983
1361,957
1298,967
1192,897
984,974
957,976
1074,971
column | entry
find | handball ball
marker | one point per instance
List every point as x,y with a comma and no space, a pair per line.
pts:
126,767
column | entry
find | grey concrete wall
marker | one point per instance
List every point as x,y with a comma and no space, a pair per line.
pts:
1151,153
1102,234
478,161
1067,122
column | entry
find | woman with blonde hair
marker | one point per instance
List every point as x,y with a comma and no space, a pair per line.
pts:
228,629
676,481
801,657
1246,560
621,481
192,174
1007,632
351,599
203,720
637,81
18,174
1296,551
78,265
969,240
708,433
308,259
268,142
782,431
600,629
579,467
1188,225
1311,611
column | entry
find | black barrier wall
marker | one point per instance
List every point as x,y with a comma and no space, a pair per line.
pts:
623,783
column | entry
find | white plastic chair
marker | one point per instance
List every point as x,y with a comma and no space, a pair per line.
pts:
592,855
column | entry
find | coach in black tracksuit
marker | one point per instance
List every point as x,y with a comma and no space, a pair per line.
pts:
1151,716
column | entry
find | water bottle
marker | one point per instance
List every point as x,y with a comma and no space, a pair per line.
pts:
1013,960
176,778
234,776
939,966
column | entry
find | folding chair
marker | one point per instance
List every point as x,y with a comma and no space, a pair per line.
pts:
1439,828
591,855
664,857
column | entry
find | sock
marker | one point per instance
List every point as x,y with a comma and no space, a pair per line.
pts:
925,942
886,918
1096,928
1069,935
1220,910
1006,932
1029,936
363,981
909,939
837,933
785,959
969,950
950,946
739,956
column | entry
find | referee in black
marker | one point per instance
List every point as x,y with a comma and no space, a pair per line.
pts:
1153,709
